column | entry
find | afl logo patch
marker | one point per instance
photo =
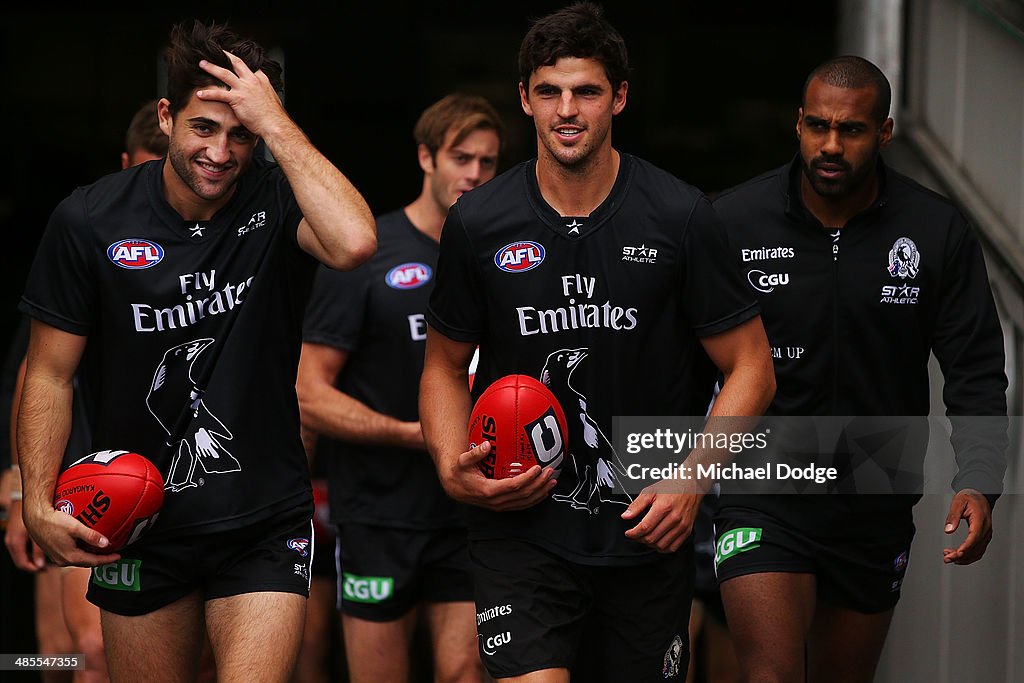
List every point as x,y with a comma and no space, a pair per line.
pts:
519,257
299,545
135,254
66,507
900,563
408,276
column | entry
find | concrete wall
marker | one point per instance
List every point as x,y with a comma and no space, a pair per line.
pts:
960,130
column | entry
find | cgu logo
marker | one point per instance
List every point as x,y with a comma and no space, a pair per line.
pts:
408,276
519,257
765,282
135,254
492,643
122,575
735,542
370,589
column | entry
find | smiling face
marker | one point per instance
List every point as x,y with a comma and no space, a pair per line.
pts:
840,138
572,104
208,150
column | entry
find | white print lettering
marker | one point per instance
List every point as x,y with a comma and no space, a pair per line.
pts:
417,327
791,352
148,318
766,282
641,254
258,220
575,315
899,294
578,284
492,643
766,253
200,282
539,321
491,612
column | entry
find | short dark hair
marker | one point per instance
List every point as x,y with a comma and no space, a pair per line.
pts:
851,71
193,41
144,132
579,30
457,112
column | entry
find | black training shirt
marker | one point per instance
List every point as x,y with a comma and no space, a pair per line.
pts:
194,332
376,314
607,310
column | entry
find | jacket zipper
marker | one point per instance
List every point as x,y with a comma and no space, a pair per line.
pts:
835,320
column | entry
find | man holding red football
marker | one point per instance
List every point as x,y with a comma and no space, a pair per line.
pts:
179,287
540,267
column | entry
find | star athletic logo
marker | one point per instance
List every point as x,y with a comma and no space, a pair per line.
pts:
641,254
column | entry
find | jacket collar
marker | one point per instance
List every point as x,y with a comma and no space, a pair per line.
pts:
789,185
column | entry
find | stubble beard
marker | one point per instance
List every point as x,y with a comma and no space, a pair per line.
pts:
182,166
574,161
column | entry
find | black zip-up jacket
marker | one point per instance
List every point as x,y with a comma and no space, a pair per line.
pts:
853,314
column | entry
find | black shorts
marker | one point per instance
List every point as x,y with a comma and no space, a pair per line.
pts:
861,573
384,572
324,561
270,556
536,610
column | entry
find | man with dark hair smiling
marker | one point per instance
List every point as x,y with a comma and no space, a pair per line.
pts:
578,575
188,280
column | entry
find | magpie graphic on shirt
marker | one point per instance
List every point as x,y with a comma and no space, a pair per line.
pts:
596,468
172,389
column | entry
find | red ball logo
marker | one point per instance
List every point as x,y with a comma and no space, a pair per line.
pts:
117,493
524,423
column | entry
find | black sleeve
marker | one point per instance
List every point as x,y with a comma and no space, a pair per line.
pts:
456,307
715,296
61,290
968,343
337,308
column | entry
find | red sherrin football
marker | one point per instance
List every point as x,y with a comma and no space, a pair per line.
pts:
117,493
524,423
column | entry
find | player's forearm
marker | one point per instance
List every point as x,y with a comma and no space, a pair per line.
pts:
746,393
444,413
337,415
19,385
340,222
43,428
